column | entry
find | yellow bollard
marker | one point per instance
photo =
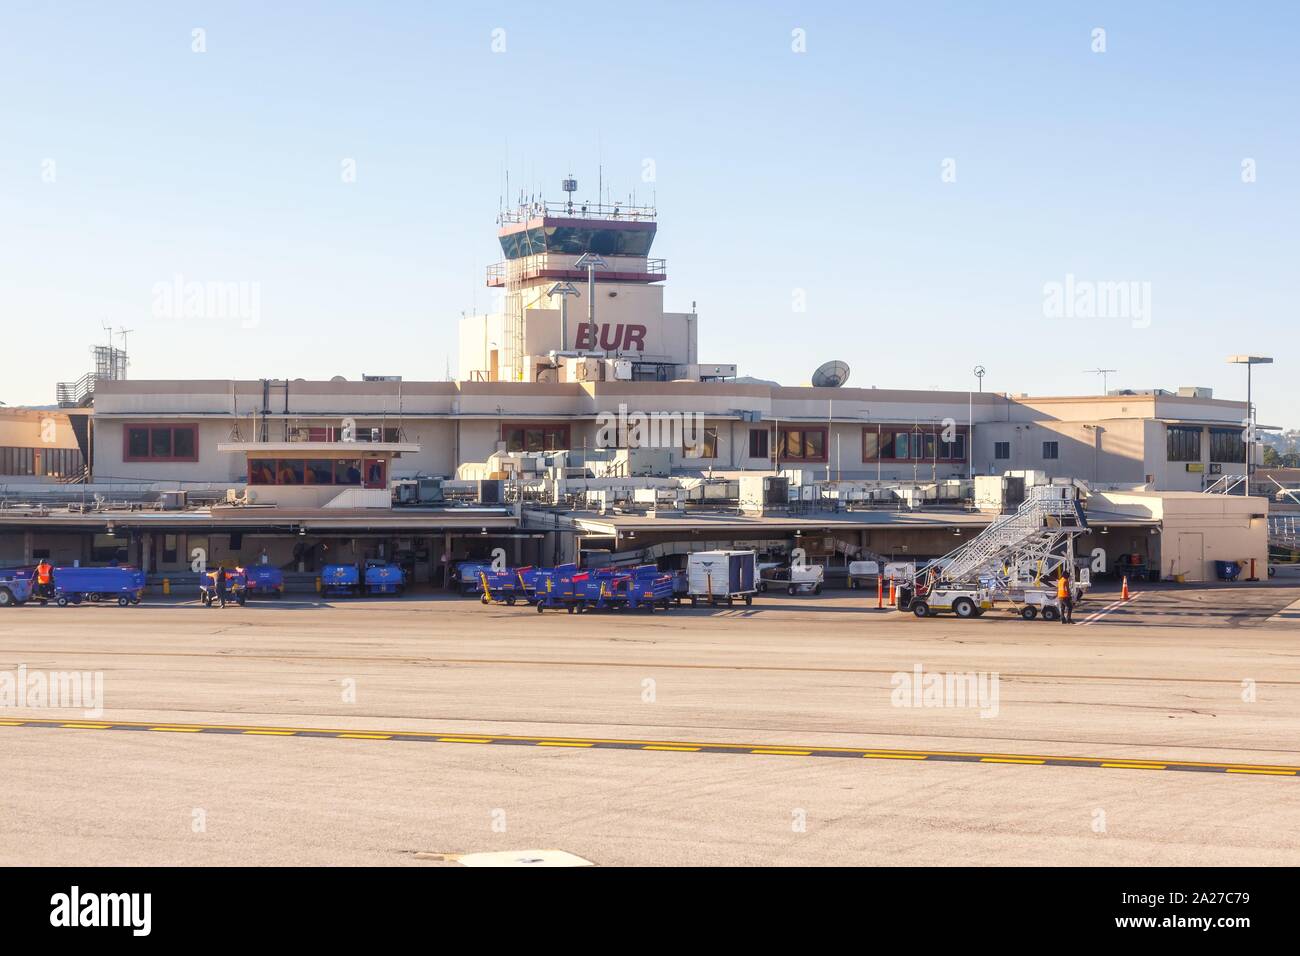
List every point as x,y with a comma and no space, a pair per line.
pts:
318,585
167,585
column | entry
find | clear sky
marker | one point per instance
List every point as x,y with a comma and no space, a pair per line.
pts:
918,176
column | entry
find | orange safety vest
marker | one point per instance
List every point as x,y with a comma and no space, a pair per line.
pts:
1062,589
43,574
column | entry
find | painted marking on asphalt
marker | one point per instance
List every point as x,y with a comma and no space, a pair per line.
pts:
1113,606
83,726
1288,614
603,743
1276,773
877,755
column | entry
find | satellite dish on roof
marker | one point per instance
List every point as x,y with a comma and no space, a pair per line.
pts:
832,374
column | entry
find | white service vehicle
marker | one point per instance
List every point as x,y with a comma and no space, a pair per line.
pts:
863,573
965,602
795,579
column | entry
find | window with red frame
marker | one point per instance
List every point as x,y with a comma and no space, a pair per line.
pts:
801,444
161,443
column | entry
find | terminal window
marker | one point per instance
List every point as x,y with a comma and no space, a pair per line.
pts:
1002,450
1184,443
297,471
535,437
59,462
704,444
1227,445
161,443
801,444
912,445
1051,450
758,447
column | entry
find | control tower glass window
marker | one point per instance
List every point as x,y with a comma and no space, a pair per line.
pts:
575,240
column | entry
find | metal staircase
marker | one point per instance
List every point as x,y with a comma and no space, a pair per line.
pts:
1284,529
1030,544
1284,532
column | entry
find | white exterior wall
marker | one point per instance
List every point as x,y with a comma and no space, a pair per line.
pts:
1198,529
457,422
1103,452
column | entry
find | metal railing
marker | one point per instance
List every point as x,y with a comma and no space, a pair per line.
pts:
578,210
1284,532
530,267
75,394
1225,485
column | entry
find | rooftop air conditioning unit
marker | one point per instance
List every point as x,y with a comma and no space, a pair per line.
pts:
172,501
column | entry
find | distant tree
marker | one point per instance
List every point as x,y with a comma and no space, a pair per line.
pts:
1274,459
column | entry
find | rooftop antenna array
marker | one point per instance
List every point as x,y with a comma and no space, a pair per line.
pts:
570,186
1103,372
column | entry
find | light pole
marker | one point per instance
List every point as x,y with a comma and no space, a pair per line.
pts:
1248,433
978,372
563,290
591,262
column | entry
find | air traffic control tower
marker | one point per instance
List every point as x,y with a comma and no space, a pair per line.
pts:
579,290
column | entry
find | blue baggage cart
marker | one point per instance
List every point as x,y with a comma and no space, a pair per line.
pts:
72,585
601,589
15,586
553,587
650,588
467,578
384,578
504,586
340,579
264,581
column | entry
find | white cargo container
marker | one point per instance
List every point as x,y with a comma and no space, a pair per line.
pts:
713,576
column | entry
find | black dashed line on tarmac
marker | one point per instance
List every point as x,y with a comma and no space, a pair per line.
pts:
1197,769
954,758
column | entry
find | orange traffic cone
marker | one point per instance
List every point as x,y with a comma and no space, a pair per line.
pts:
880,591
893,598
1123,591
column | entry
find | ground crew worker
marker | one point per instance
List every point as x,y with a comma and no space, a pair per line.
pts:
219,583
1065,598
45,579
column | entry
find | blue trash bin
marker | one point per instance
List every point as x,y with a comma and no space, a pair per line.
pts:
1227,570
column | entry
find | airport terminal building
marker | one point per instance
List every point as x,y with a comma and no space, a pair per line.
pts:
583,423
